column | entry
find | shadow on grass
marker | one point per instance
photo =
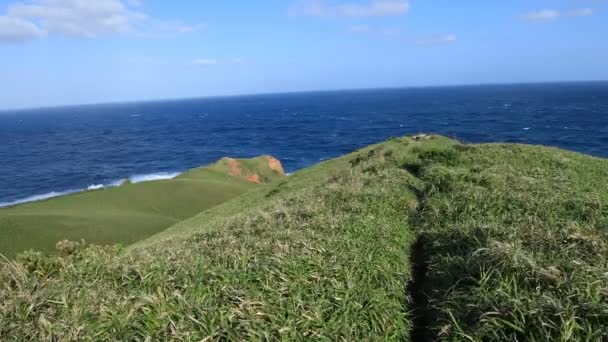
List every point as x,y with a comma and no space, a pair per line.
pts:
419,307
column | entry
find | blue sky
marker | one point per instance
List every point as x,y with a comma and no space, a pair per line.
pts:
55,52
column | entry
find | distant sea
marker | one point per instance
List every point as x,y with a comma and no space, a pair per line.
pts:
53,151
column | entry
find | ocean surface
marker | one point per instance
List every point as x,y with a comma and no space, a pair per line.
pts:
47,152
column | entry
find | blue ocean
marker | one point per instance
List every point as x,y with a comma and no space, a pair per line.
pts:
53,151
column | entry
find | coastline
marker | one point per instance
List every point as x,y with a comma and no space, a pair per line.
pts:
139,178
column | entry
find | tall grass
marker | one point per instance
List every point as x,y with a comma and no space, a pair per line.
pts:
322,260
517,246
413,239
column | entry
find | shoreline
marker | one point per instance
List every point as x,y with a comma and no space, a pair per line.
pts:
140,178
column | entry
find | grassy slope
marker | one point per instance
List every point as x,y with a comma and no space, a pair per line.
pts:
320,254
399,241
124,214
516,240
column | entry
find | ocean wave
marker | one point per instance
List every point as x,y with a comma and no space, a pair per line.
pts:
153,177
93,187
36,198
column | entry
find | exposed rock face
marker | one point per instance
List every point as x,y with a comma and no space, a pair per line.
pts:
240,168
235,167
255,178
275,165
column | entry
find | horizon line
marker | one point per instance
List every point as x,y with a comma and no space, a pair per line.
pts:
203,97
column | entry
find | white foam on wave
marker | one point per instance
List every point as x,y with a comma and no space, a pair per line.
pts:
36,198
133,179
153,177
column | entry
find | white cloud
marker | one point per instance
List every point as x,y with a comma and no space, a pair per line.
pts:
135,2
437,40
583,12
18,30
81,19
542,15
77,18
547,15
376,31
177,27
324,8
399,35
204,62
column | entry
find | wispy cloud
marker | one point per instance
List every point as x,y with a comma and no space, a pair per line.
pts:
14,30
73,18
547,15
379,31
79,19
204,62
178,27
399,35
211,61
436,40
135,2
360,28
325,8
583,12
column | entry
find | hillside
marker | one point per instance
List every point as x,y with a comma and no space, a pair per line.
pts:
130,212
418,238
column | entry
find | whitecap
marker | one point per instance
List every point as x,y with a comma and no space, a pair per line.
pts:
526,128
153,177
92,187
118,182
37,198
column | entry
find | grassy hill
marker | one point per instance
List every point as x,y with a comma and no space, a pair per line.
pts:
131,212
418,238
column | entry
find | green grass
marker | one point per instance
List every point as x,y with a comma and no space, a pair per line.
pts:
412,239
124,214
516,240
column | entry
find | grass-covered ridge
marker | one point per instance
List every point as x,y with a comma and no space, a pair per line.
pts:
516,239
130,212
412,239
